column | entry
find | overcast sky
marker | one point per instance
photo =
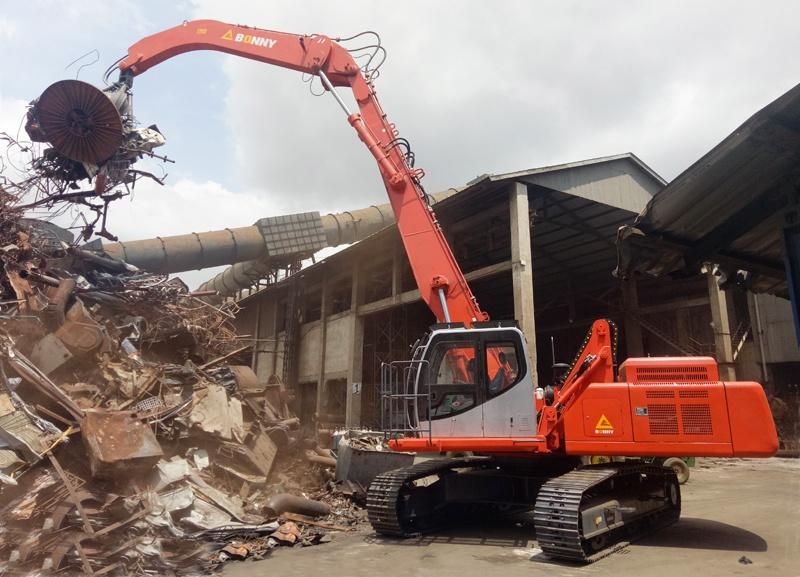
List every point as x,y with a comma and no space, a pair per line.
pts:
476,87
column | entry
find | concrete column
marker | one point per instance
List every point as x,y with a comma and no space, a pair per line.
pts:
720,323
684,327
322,394
256,338
275,304
634,344
754,310
397,259
522,269
355,353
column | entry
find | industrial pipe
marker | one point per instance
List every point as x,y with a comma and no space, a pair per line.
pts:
192,251
340,228
286,503
253,250
238,276
314,457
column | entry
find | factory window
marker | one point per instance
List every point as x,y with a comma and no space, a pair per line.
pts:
282,308
313,307
340,298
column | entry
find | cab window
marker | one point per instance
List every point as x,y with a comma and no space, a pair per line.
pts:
453,379
502,366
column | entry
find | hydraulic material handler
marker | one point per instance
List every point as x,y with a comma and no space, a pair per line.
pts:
468,386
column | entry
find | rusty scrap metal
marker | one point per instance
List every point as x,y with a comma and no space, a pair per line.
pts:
225,357
177,434
313,457
306,520
287,503
31,373
71,491
119,443
79,120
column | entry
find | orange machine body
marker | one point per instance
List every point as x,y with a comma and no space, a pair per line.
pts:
671,406
662,406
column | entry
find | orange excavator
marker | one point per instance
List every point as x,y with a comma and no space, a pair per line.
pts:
468,386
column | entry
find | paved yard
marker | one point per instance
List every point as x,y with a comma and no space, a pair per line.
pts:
731,509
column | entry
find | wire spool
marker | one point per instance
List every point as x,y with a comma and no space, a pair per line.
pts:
80,121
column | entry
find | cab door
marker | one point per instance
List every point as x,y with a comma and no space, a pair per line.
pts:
508,407
453,381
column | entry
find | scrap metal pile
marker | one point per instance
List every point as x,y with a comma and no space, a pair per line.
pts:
134,438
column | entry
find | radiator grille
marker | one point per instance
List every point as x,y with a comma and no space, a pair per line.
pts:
663,419
696,419
660,395
685,374
693,394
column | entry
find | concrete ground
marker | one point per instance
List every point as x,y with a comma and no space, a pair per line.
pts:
731,509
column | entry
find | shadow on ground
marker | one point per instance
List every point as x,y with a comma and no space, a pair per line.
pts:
494,534
688,533
691,533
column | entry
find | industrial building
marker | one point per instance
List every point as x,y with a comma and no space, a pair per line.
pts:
538,246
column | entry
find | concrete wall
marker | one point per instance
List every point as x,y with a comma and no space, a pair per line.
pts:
780,342
310,350
258,318
339,336
748,364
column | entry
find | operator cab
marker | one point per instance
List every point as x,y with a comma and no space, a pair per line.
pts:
463,383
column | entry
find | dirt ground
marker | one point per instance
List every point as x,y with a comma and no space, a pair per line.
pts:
731,509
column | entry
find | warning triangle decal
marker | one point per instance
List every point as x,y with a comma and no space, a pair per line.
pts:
228,35
603,423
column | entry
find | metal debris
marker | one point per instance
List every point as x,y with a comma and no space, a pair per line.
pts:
286,503
133,440
361,456
119,443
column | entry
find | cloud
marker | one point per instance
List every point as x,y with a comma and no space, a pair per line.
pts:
8,29
12,158
475,86
488,87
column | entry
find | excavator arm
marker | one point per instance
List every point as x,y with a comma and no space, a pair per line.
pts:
440,280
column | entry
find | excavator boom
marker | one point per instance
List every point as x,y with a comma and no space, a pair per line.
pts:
441,283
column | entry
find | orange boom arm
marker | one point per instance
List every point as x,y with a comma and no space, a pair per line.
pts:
441,283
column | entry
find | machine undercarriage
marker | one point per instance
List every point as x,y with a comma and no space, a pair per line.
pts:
579,514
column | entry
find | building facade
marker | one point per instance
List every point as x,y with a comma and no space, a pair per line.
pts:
538,246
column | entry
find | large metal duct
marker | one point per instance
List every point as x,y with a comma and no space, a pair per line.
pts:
192,251
253,251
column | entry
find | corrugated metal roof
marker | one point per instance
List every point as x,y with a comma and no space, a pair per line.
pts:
579,207
729,207
519,175
620,180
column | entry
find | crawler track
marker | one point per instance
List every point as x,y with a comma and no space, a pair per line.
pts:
617,503
559,511
388,505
